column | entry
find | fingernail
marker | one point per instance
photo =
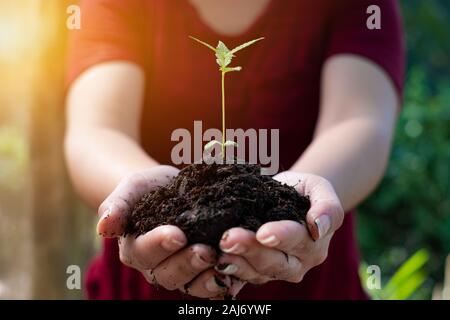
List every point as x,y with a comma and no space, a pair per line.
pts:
226,268
171,244
198,262
224,236
323,224
236,249
214,284
103,217
270,241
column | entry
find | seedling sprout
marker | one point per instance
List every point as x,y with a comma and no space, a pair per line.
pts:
224,56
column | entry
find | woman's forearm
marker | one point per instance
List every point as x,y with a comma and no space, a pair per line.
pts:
99,158
102,138
359,106
352,155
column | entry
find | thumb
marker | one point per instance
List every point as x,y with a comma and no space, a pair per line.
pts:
326,213
116,208
323,218
113,217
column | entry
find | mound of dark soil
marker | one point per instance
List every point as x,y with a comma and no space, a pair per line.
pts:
205,200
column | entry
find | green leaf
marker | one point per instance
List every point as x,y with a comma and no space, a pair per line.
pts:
211,144
245,45
407,272
406,289
203,43
223,55
222,48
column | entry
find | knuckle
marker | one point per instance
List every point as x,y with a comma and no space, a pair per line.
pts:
303,249
174,278
329,205
186,270
138,260
279,269
167,282
265,267
141,262
168,279
301,246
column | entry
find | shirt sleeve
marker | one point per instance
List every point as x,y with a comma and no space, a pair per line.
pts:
349,33
110,30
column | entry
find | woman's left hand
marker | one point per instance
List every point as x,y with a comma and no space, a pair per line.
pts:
284,250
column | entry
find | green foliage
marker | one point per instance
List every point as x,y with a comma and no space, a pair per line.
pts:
408,278
404,283
224,56
411,207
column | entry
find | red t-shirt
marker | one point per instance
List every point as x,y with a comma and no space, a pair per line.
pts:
278,88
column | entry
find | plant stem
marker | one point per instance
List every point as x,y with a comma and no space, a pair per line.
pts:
223,115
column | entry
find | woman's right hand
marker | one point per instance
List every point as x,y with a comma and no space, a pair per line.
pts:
161,254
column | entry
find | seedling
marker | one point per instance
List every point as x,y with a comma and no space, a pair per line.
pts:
224,56
206,200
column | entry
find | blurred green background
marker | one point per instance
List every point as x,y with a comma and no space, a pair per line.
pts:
410,209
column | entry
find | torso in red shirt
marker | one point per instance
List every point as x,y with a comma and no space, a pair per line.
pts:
279,87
